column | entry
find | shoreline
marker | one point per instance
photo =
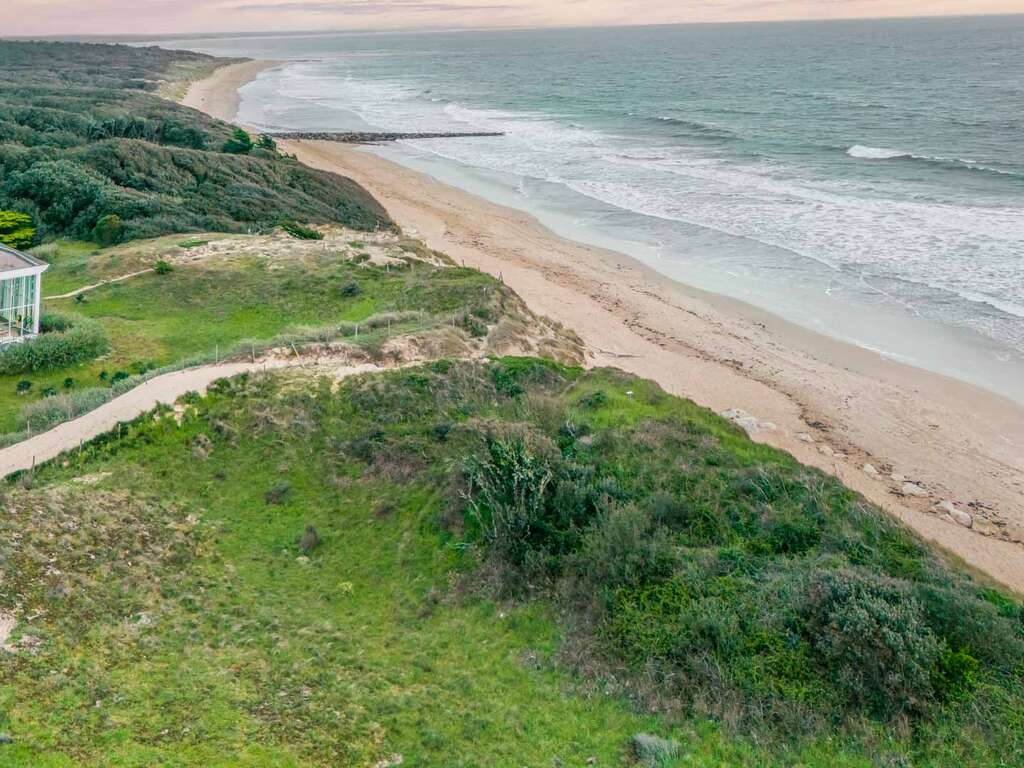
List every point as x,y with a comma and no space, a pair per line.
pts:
218,95
830,404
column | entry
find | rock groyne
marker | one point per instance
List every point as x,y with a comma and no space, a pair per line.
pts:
364,137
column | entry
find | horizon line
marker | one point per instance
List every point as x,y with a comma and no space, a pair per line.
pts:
73,37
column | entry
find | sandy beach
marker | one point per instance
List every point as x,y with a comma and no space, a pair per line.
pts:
218,95
945,457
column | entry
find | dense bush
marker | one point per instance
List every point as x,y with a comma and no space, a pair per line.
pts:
108,230
54,321
741,582
82,142
54,350
508,497
299,231
239,143
16,230
874,642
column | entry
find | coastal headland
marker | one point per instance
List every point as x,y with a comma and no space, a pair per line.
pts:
945,457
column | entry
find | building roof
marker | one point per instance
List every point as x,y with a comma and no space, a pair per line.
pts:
11,259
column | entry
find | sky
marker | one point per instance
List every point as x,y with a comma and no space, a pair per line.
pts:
157,17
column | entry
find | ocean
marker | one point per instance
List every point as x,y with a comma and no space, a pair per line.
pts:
863,179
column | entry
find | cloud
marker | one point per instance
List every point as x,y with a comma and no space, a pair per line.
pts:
367,7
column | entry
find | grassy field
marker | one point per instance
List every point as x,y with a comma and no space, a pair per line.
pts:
171,618
257,289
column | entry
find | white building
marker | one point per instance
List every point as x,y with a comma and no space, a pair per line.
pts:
20,295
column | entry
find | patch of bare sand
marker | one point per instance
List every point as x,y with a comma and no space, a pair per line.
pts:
7,624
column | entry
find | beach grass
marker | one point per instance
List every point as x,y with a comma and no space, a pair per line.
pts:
179,622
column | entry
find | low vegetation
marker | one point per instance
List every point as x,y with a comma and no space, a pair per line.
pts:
88,150
512,561
64,342
16,230
496,560
238,296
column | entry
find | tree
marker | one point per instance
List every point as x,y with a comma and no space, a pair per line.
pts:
108,230
240,143
16,230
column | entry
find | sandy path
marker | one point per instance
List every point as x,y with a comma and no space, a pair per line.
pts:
84,288
160,389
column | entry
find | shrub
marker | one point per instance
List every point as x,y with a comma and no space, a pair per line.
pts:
108,230
119,376
873,639
650,750
299,231
44,414
623,549
49,392
955,675
69,383
138,367
277,494
16,229
51,321
52,351
476,328
240,143
163,267
792,534
351,289
267,142
508,493
23,386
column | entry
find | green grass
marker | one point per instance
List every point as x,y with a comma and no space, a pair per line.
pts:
70,265
197,308
387,640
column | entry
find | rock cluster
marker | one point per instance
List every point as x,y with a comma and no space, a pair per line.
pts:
749,424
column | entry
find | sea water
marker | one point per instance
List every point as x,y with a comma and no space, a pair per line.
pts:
863,179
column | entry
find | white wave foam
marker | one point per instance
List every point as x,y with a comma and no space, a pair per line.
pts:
875,153
966,247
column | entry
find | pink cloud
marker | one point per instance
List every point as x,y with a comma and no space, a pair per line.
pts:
153,17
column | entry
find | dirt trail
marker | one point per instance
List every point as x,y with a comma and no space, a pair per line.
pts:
84,288
160,389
